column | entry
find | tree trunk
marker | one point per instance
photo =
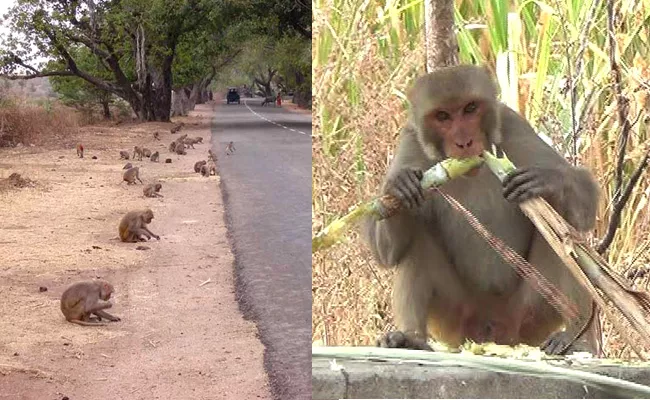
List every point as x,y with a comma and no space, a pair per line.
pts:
440,39
106,109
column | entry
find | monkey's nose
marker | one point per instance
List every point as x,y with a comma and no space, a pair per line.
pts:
465,144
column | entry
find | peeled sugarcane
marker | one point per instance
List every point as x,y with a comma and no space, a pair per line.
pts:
587,266
387,206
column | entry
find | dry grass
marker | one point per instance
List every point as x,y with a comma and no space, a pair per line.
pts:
357,116
33,124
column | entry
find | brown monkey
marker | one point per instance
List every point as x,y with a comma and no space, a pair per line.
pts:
82,299
177,128
134,226
211,155
152,190
198,165
146,152
180,148
131,174
181,138
230,148
450,283
124,155
172,147
154,157
127,166
205,170
137,151
80,150
212,168
156,135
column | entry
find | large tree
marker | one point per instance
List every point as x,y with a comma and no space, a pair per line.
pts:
136,40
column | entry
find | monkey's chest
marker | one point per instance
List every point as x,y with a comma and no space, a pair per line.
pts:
479,266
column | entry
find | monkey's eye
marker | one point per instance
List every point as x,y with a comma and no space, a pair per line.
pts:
470,108
442,116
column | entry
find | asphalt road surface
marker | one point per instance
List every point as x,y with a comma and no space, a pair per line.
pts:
267,192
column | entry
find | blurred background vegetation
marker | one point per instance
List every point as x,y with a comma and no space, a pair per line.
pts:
553,62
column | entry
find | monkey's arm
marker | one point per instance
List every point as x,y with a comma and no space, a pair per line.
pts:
541,171
150,233
389,239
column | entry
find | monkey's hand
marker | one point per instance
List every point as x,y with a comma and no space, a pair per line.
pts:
527,183
402,340
405,187
560,343
157,237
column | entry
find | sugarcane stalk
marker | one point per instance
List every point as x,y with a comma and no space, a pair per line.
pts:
386,206
585,265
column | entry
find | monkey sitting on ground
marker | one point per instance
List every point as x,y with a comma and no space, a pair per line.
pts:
124,155
156,135
137,151
127,166
152,190
172,147
131,174
192,141
146,152
450,284
80,150
198,165
82,299
230,148
177,128
211,156
208,169
134,226
180,148
154,157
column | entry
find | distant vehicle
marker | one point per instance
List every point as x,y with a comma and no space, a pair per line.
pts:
233,96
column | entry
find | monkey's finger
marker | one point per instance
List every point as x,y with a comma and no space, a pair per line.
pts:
405,193
515,180
526,191
396,192
415,188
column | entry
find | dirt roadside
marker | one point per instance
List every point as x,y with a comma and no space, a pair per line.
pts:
177,338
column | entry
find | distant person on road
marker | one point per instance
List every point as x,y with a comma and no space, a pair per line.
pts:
278,100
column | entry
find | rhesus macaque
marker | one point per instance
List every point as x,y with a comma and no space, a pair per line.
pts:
230,148
131,174
127,166
198,165
82,299
212,156
124,155
172,147
134,226
146,152
180,148
137,151
80,150
450,284
181,138
152,190
212,168
205,170
154,157
177,128
192,141
156,135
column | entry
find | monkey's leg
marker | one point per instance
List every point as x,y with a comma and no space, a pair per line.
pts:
87,323
104,314
426,288
582,334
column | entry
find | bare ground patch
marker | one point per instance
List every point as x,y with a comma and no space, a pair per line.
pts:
177,339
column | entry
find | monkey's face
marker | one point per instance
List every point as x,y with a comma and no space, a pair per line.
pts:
105,291
147,216
158,187
456,129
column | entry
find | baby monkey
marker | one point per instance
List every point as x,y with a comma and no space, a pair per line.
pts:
152,189
82,299
230,148
154,157
124,155
134,226
137,151
131,174
80,150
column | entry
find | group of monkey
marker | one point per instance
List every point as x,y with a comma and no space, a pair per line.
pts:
84,303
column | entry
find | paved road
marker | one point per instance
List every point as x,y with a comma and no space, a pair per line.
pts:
267,190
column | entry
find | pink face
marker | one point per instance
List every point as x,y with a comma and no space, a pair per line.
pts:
458,127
